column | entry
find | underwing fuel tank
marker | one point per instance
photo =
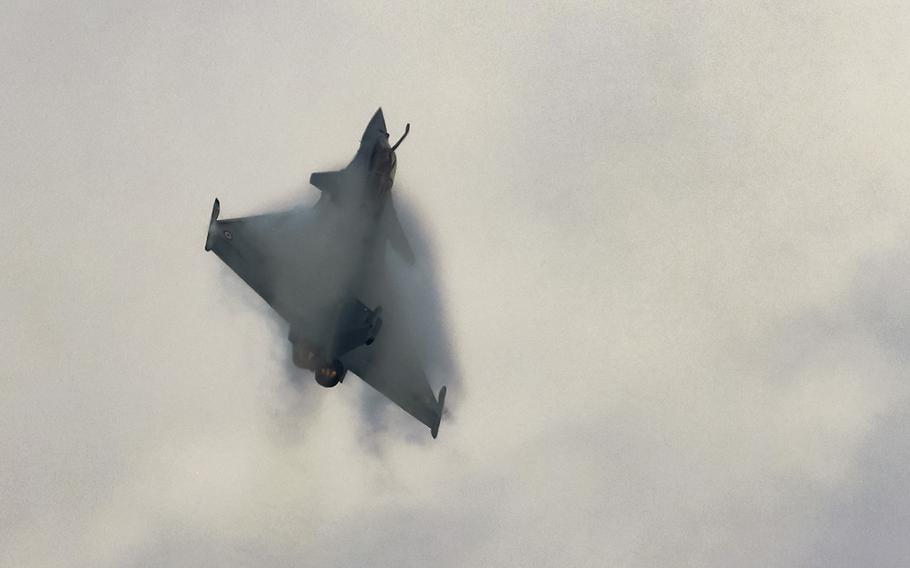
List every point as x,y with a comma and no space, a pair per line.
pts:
346,326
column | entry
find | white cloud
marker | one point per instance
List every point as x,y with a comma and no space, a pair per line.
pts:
668,241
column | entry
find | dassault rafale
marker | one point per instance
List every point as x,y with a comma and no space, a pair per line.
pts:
323,270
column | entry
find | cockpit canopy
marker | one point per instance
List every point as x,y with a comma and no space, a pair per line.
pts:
384,162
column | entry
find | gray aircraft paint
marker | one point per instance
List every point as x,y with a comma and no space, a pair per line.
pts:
323,270
646,221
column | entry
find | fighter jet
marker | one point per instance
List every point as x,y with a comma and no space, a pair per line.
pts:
321,268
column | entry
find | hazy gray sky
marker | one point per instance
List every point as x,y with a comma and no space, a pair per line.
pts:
671,241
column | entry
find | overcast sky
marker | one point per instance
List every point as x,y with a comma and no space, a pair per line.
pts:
670,242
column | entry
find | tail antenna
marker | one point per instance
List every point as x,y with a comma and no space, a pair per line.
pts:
407,129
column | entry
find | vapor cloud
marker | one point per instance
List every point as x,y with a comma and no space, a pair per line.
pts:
669,244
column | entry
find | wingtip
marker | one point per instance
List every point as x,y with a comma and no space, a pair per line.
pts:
216,210
439,408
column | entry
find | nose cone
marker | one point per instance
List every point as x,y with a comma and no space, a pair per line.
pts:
376,128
